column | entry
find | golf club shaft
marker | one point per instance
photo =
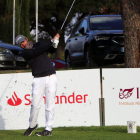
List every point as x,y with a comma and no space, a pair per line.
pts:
67,15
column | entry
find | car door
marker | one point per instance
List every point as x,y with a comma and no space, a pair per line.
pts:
80,40
72,41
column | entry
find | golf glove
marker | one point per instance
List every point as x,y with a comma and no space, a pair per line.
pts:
55,42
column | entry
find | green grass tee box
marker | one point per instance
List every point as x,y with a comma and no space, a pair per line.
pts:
75,133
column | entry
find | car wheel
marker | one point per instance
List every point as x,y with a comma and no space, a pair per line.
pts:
89,62
68,61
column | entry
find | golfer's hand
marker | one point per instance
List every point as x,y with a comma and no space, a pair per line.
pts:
55,40
56,37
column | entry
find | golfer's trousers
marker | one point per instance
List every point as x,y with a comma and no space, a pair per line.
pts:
43,86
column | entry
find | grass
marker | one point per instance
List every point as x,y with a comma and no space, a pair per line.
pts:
76,133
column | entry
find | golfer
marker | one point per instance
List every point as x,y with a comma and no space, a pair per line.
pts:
44,81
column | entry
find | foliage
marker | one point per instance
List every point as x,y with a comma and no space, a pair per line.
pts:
22,19
6,30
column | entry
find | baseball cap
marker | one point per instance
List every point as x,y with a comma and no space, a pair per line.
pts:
19,39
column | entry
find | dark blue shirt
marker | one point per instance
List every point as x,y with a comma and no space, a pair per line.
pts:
38,60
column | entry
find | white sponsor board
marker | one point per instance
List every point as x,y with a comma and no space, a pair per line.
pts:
77,100
83,110
122,97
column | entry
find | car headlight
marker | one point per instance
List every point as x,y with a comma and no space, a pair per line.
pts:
97,38
5,51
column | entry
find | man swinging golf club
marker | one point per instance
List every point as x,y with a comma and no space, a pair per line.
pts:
44,82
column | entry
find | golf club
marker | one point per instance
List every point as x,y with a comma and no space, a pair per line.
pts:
66,17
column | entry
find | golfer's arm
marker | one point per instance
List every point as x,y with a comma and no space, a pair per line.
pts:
51,50
32,53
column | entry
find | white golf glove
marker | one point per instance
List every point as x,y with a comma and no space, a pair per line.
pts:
55,42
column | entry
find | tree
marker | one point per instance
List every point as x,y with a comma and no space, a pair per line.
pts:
130,11
24,16
22,19
6,21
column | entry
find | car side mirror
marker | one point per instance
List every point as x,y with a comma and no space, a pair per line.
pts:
81,30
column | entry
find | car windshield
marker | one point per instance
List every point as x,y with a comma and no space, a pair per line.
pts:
106,23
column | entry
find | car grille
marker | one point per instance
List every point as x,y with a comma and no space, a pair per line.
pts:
16,52
119,40
7,63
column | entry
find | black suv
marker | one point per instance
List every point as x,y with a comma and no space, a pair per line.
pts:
96,39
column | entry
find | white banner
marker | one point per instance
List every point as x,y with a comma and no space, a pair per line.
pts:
122,97
77,99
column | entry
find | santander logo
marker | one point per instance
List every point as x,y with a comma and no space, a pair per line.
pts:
14,101
62,99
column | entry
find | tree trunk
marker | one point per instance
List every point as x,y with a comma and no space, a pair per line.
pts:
130,11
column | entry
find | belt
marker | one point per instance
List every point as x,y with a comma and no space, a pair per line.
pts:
50,75
44,76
